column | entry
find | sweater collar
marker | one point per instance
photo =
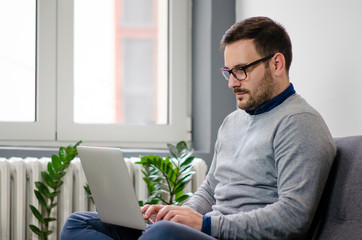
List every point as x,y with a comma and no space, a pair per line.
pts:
274,102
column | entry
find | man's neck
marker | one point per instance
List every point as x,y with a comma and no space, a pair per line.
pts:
274,102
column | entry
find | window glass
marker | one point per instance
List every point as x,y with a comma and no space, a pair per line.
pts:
138,12
138,78
120,65
17,61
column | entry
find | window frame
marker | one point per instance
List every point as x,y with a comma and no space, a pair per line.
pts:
54,125
43,129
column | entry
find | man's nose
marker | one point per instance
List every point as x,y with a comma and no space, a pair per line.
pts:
233,82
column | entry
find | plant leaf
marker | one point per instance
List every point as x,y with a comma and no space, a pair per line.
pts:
87,190
43,189
186,153
186,168
179,187
181,147
51,206
56,163
72,150
155,200
155,177
66,165
177,172
58,184
63,154
144,160
187,177
47,179
183,197
54,194
47,233
37,214
40,198
60,175
179,194
36,230
51,169
188,161
173,150
77,144
50,219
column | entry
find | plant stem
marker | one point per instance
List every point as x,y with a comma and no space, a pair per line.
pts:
168,184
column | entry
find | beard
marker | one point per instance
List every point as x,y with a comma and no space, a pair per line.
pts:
263,93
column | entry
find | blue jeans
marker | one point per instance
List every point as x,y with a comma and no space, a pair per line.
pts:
88,226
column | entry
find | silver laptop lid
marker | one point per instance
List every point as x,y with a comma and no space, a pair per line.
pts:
111,186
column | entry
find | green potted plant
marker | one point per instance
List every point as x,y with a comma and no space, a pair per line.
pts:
167,177
48,189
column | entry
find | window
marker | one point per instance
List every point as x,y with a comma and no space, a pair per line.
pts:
17,61
128,79
113,72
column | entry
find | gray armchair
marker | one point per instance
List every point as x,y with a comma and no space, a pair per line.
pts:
339,215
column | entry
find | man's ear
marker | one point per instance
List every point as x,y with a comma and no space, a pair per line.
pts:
278,64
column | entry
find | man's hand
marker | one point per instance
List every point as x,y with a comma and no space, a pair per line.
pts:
183,215
150,212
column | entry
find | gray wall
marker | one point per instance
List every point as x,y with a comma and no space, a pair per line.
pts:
211,98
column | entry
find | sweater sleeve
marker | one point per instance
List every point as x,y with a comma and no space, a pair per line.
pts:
304,152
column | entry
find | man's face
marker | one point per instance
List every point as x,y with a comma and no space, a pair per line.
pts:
259,85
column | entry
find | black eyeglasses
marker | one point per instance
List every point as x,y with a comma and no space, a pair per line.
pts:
239,72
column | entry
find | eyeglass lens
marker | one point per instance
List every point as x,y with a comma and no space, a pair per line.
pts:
238,73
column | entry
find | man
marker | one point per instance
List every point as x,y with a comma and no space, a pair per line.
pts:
272,155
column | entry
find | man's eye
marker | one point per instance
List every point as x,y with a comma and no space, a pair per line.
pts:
238,69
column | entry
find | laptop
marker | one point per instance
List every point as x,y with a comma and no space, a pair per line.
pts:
111,186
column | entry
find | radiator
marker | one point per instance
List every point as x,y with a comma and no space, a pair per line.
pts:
17,177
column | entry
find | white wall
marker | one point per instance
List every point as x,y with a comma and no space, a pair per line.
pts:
327,47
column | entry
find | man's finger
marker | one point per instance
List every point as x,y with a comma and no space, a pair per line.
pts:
163,212
151,210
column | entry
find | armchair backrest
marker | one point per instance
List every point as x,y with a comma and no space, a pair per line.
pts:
339,215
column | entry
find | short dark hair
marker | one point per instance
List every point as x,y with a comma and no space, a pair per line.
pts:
269,37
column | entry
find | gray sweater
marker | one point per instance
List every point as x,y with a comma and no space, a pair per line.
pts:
268,173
